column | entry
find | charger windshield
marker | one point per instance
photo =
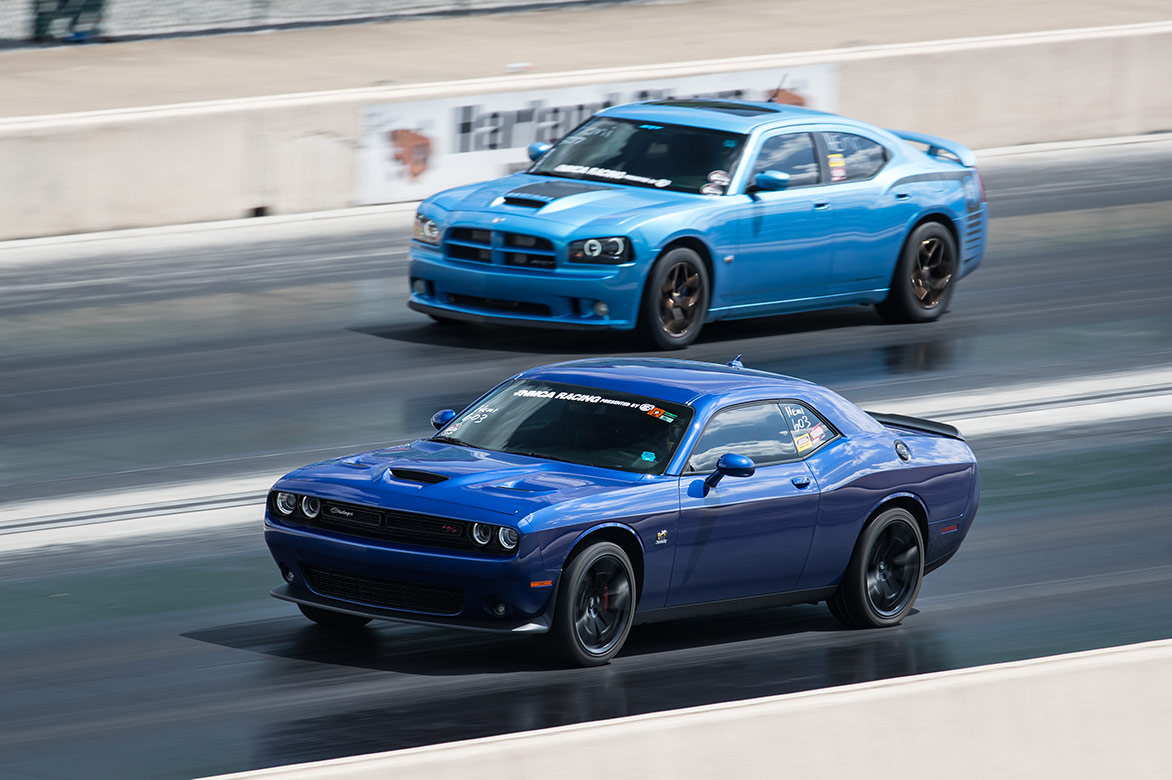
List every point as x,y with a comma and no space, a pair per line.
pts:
646,154
576,424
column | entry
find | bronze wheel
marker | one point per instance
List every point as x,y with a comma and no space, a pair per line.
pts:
675,299
932,271
924,277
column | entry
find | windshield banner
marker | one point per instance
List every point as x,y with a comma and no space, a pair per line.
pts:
414,149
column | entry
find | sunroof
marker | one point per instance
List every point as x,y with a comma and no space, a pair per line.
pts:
739,109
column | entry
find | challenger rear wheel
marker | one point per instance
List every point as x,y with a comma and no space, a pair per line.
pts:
885,572
329,619
595,605
675,299
925,276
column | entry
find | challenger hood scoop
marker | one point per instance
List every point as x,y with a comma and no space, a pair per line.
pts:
415,475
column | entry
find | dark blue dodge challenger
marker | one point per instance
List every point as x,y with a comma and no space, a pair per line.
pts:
576,499
664,215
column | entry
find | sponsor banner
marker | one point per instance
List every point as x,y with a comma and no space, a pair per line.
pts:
414,149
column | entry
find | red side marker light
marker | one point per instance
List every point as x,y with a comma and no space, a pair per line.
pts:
540,583
949,528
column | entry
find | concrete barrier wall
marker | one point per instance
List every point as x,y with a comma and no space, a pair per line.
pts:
1095,715
125,18
287,154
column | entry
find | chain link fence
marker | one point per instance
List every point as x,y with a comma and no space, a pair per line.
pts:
57,20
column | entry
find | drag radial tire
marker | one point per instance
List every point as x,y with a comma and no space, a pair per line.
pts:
924,277
595,606
675,300
329,619
885,572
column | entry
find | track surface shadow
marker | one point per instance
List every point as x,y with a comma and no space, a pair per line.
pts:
500,338
388,647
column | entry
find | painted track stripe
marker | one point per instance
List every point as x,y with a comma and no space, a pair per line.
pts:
213,504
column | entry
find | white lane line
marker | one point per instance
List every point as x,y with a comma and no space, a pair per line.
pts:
239,501
1065,416
1002,402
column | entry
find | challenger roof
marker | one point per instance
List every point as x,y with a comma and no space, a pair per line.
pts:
669,379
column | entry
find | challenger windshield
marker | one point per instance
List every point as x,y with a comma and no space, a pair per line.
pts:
646,154
577,424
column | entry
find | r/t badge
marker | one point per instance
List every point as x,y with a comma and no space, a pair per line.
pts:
661,537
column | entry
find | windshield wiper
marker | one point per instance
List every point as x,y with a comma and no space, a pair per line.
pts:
449,440
541,455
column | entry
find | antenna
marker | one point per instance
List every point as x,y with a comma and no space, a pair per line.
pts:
735,362
780,87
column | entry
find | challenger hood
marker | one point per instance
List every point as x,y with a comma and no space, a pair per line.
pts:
569,201
451,480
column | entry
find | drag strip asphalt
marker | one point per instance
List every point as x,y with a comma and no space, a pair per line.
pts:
154,363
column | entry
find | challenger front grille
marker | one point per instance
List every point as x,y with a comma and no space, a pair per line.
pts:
391,594
395,526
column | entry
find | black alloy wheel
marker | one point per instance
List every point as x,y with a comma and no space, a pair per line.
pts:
595,605
893,569
924,277
337,620
885,572
675,300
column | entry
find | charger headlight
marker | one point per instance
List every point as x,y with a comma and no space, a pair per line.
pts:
611,250
426,230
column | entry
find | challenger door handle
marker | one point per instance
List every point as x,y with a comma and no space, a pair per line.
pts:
821,206
902,196
801,482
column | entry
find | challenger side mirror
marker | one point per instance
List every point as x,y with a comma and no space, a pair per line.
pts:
537,150
729,465
771,180
442,418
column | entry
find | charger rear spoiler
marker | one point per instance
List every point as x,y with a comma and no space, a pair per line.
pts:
918,424
940,147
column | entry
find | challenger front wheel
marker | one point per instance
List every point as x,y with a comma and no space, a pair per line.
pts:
595,605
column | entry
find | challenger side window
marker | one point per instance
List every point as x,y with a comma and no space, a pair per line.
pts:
758,431
809,430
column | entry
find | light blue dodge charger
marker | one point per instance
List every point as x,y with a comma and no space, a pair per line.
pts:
661,216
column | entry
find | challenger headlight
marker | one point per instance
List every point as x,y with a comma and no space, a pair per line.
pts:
426,230
508,538
606,251
481,533
286,503
310,507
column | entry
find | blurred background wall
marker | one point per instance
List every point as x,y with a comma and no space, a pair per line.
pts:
50,20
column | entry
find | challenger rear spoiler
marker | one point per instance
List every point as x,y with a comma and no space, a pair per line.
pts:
940,147
918,424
